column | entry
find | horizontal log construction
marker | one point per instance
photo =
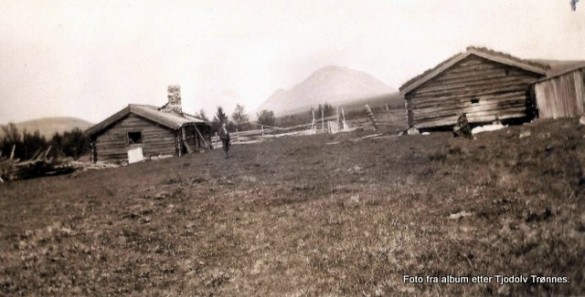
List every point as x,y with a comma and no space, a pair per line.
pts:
487,85
484,113
446,111
489,70
513,94
194,140
113,143
478,118
481,88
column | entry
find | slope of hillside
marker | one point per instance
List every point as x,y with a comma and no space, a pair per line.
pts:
300,216
49,126
332,84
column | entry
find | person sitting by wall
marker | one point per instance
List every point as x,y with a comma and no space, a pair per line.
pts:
462,128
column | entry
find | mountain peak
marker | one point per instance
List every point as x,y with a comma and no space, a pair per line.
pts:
330,84
330,68
333,70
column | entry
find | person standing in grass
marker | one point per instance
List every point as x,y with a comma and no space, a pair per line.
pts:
224,136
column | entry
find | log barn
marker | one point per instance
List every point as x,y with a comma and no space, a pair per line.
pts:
156,131
485,84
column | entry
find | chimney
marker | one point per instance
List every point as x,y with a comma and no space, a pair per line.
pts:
174,96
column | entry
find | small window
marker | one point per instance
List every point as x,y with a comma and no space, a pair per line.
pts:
474,100
134,137
507,72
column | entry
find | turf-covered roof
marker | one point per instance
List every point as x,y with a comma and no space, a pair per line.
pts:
167,119
499,57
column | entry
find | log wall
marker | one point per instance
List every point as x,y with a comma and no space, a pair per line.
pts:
191,137
502,90
194,139
562,96
112,144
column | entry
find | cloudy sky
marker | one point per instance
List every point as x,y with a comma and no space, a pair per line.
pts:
88,59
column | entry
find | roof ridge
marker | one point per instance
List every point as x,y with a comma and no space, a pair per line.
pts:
415,78
508,56
169,119
141,105
484,53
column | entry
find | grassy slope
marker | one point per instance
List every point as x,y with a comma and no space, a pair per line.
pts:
296,217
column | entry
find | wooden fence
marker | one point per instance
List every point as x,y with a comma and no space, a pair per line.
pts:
393,120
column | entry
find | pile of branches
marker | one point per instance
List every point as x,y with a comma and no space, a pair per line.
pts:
39,165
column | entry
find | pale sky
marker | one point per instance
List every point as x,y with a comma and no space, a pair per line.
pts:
89,59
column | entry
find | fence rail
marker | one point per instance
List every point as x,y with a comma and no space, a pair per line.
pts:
390,120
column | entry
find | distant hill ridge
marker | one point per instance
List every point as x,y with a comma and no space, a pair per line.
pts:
51,125
335,85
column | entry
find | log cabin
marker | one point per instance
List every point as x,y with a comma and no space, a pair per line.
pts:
156,131
485,84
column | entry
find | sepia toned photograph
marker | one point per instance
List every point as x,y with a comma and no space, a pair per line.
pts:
292,148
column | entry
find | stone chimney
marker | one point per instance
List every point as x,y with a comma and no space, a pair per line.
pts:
174,96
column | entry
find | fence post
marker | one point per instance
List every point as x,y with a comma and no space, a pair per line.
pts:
323,120
338,124
371,115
